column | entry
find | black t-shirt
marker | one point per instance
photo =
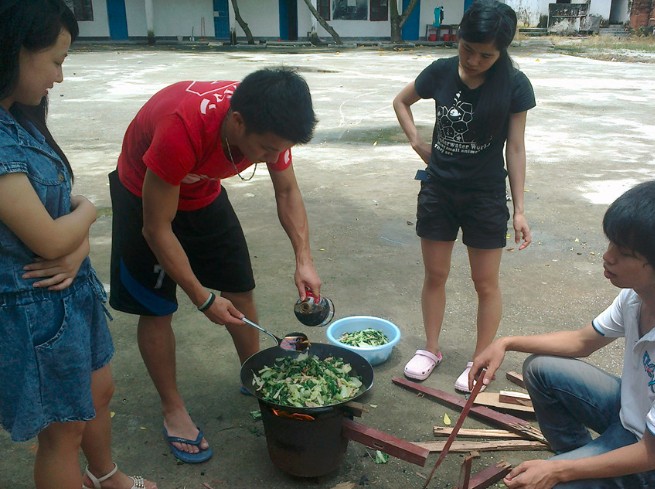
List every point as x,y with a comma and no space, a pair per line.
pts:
456,157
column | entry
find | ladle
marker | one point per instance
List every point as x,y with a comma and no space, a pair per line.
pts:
292,342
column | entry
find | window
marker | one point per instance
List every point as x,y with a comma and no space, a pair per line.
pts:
350,9
83,9
379,10
324,9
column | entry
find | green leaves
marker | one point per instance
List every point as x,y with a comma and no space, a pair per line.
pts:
307,381
364,337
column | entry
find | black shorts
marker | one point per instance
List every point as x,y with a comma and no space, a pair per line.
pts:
482,215
212,239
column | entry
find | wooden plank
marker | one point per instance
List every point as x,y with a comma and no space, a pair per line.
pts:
483,446
506,421
489,476
465,470
389,444
515,377
511,397
355,408
493,399
460,421
476,433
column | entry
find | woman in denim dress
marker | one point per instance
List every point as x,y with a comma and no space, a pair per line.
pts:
55,347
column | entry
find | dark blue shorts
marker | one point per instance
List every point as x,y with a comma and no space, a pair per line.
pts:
212,239
481,214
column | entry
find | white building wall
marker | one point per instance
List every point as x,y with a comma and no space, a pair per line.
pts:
528,12
174,18
135,10
99,26
262,17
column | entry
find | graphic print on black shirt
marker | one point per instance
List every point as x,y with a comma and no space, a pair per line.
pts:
454,134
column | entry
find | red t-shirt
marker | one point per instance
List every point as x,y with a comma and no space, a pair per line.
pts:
177,135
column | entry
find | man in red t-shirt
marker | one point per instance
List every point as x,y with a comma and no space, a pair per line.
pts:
173,223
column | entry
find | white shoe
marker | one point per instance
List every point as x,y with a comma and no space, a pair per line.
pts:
462,382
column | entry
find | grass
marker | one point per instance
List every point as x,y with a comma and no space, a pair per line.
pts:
631,48
631,43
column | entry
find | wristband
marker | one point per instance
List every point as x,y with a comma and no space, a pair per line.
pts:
207,304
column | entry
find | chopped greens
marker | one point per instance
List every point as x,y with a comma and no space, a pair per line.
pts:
381,457
307,381
365,337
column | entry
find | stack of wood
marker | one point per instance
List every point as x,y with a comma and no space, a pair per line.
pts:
512,433
517,435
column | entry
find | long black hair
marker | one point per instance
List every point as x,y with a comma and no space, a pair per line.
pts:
32,25
491,21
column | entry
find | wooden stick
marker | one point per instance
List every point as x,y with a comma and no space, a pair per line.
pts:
465,470
507,421
492,399
460,421
396,447
510,397
489,476
476,433
515,377
483,446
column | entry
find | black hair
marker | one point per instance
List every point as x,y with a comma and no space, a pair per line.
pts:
630,221
276,100
32,25
491,21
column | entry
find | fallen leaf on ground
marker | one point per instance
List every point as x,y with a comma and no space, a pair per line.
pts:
446,419
381,457
345,485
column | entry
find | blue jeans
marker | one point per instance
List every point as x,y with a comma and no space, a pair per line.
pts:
570,397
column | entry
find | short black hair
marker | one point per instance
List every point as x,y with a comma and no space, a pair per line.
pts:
630,221
276,100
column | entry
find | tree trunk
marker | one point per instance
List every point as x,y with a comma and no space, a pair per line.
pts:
323,22
242,22
398,20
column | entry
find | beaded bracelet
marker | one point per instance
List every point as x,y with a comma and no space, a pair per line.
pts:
207,304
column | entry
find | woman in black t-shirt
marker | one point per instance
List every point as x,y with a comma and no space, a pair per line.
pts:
481,103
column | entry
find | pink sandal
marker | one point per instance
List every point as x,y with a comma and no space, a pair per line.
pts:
422,364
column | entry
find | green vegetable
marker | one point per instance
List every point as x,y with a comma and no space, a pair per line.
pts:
307,381
381,457
365,337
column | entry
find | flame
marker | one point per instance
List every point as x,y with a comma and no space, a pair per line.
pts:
298,416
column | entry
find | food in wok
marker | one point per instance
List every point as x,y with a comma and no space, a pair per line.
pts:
307,381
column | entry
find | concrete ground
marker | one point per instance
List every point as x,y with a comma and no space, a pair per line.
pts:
588,139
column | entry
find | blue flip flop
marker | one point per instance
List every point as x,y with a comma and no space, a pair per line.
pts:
186,457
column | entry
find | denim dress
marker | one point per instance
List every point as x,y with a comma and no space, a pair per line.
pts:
50,341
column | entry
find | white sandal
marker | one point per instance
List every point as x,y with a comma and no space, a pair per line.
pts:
97,481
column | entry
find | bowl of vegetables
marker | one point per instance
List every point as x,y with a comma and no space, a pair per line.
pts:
371,337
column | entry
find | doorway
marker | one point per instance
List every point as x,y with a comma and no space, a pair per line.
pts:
221,19
117,19
410,30
289,20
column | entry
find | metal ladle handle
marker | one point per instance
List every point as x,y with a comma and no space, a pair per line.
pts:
291,342
257,326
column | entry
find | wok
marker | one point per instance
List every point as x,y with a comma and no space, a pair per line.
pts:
266,358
